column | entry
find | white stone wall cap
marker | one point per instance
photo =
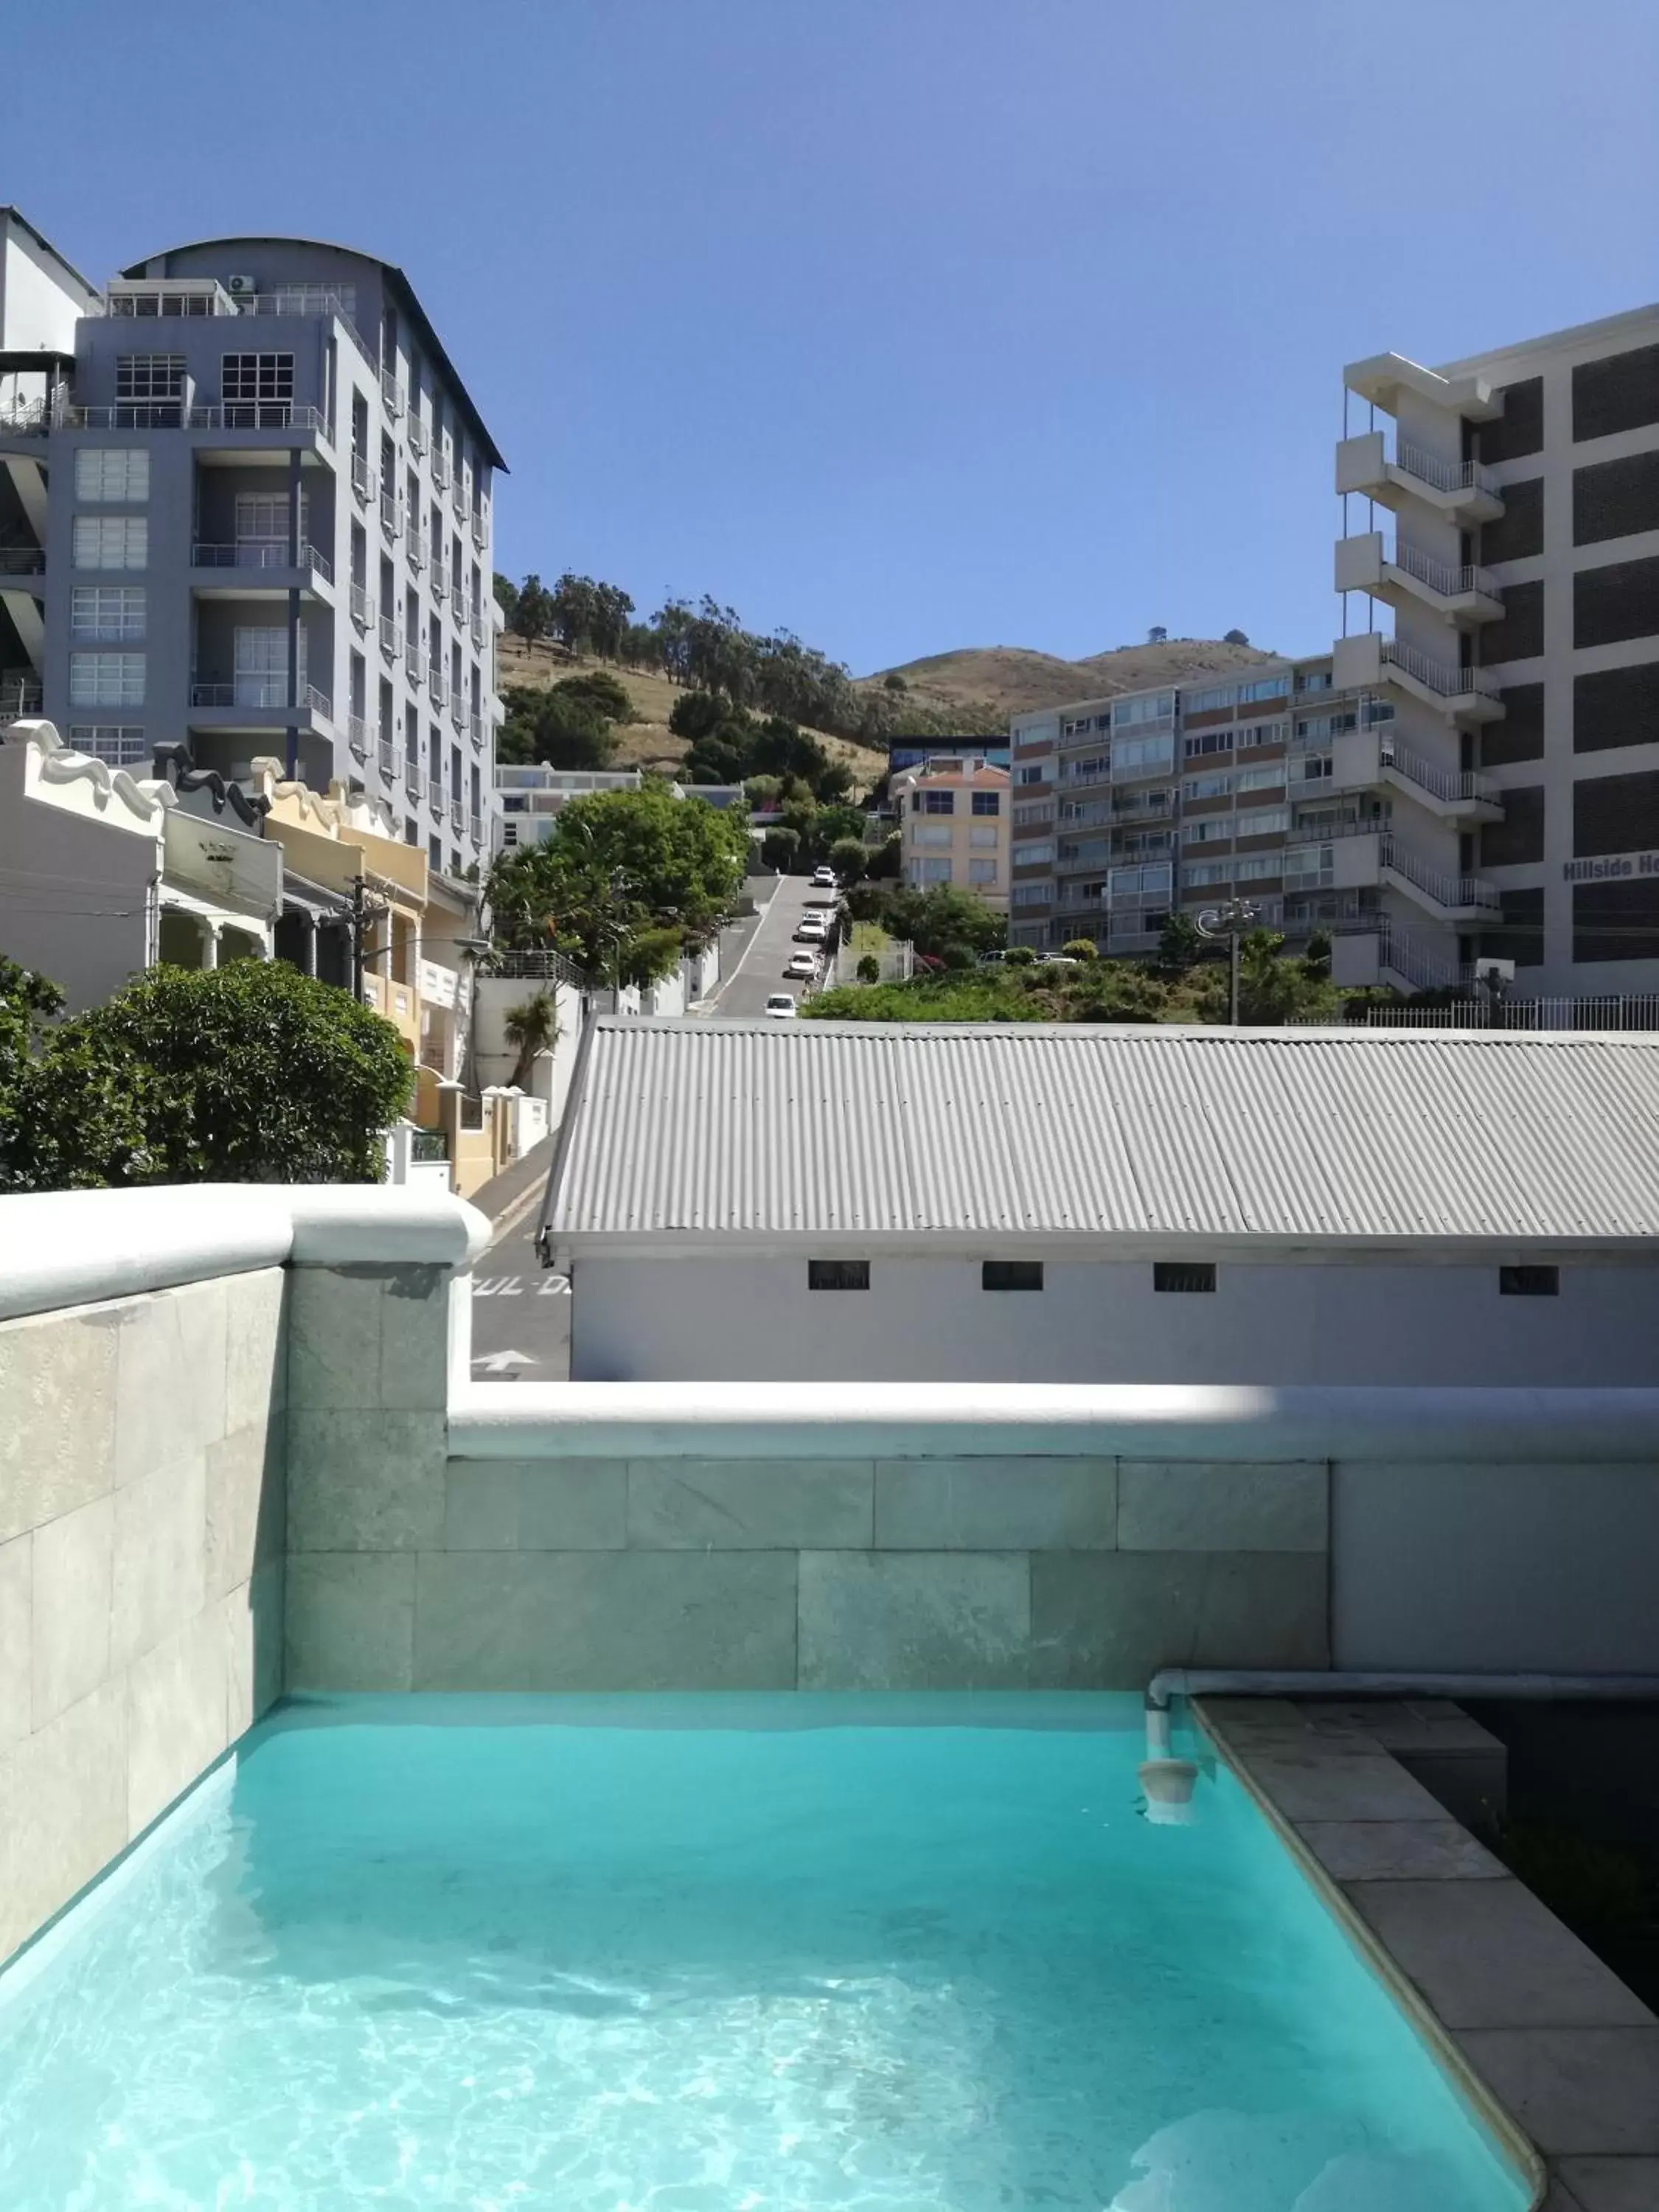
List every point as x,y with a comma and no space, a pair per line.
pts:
76,1248
909,1420
338,1224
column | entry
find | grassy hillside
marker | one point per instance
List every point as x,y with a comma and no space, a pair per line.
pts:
986,685
648,742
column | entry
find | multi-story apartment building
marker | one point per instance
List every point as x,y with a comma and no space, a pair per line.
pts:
953,818
266,529
1518,548
530,798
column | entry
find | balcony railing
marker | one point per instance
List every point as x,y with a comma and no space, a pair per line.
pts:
441,468
385,757
1447,890
261,553
416,667
457,816
363,482
264,692
457,705
1444,476
434,794
475,828
22,560
258,415
476,722
1442,782
476,626
1436,676
364,612
391,515
31,418
419,439
392,638
357,735
414,776
133,414
438,688
20,695
481,527
393,397
1442,577
415,545
440,582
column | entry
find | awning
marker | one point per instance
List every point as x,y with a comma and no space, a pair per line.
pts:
304,897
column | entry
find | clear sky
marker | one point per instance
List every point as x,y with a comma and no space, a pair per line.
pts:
902,324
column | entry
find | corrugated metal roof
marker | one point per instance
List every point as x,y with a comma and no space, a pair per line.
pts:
698,1131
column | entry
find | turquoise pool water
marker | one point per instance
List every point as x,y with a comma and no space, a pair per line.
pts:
714,1955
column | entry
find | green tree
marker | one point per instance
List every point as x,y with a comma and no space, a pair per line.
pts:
531,1028
248,1073
847,858
625,876
598,688
779,849
1081,948
1181,943
532,610
869,968
506,595
560,727
942,915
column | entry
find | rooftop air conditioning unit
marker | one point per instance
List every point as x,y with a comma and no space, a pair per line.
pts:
240,288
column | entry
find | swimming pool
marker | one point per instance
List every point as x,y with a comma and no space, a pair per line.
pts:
704,1953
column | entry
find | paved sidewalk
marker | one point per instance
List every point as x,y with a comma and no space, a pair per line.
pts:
500,1194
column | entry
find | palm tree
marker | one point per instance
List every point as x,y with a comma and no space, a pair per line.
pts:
531,1027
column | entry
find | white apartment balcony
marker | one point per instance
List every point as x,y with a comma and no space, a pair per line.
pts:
386,759
414,776
458,707
434,794
475,828
457,816
418,439
256,568
357,736
391,638
1462,491
1384,376
476,723
415,544
392,516
476,626
364,482
258,705
416,667
440,467
480,527
1375,759
438,688
1357,856
1469,695
393,397
1408,576
364,612
440,582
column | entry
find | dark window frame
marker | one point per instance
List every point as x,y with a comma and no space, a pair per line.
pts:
1529,1281
838,1274
1011,1275
1183,1277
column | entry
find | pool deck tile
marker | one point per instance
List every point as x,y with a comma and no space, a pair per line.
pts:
1399,1850
1336,1782
1577,2092
1489,1954
1611,2185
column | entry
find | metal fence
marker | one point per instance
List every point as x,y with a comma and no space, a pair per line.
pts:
1594,1013
896,960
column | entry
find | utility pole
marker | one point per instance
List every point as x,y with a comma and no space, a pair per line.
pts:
1231,922
360,918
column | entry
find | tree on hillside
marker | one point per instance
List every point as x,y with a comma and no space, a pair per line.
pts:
532,610
940,916
560,728
1158,634
626,877
506,595
251,1073
1234,637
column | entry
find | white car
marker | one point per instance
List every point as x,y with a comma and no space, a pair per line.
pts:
802,963
781,1007
812,926
823,879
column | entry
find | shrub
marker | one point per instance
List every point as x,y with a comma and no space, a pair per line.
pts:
1021,956
1081,948
869,968
956,957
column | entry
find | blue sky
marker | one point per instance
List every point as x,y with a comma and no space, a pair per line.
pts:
903,323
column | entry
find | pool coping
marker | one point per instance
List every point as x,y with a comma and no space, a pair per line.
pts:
1325,1776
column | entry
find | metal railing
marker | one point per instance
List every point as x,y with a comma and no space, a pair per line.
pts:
22,560
457,816
1444,476
457,705
1436,676
364,612
393,397
440,582
20,695
478,728
259,415
392,638
475,828
357,735
1442,782
417,665
438,688
363,481
481,527
1480,1012
476,628
133,414
414,776
29,418
1456,893
261,553
415,544
1142,804
385,755
440,467
1442,577
435,795
263,692
391,515
416,433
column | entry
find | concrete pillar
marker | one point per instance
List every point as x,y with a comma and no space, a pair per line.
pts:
210,942
309,920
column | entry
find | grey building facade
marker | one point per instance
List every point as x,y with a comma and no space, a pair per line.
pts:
267,532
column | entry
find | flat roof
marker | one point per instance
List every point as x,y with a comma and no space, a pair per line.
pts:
716,1135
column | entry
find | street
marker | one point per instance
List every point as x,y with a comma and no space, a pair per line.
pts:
758,970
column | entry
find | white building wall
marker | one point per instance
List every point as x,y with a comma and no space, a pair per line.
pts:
642,1319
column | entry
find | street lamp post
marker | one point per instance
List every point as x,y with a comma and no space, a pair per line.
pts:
1231,922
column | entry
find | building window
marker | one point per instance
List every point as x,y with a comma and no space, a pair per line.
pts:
1529,1282
1266,687
1030,895
107,679
1156,706
935,871
112,541
982,873
1033,856
435,854
1036,773
1310,868
112,475
1255,867
1208,786
938,802
1203,875
1208,829
1183,1274
988,802
1011,1275
262,518
1142,756
984,839
257,389
106,614
1251,734
118,743
838,1274
1204,702
1262,821
149,391
1269,777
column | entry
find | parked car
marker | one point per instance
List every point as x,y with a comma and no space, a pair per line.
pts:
823,879
812,928
801,964
782,1006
